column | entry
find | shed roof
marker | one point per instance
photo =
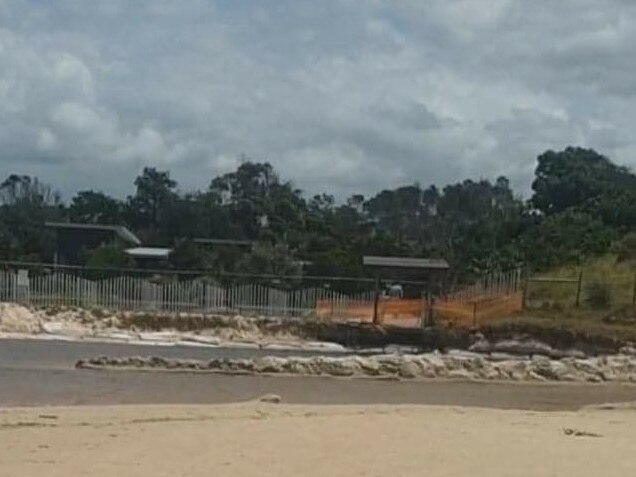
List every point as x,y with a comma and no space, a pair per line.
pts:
405,262
149,252
122,232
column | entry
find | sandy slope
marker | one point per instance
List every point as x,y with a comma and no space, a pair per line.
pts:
270,440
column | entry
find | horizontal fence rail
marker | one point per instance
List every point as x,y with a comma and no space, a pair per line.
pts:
493,296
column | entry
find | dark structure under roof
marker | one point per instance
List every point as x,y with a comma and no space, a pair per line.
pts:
415,277
73,240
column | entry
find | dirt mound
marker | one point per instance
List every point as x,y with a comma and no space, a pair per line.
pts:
17,319
227,328
83,323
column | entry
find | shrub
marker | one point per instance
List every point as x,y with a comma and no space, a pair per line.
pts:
106,256
625,249
598,295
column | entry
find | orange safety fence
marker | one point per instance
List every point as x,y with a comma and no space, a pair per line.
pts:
409,312
391,311
478,312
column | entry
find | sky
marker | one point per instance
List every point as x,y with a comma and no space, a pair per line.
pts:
341,96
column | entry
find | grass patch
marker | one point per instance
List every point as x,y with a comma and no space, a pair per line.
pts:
582,321
614,278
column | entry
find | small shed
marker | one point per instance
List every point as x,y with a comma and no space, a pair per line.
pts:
415,277
150,257
431,271
405,263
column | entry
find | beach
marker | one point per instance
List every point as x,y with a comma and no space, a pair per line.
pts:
261,439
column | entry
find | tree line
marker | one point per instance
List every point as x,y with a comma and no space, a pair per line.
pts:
582,205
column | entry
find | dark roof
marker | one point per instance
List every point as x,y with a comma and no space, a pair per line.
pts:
121,231
209,241
405,262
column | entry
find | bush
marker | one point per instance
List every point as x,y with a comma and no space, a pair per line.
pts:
106,256
625,249
270,259
598,295
186,255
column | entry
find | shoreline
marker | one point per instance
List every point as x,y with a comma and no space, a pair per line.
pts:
308,346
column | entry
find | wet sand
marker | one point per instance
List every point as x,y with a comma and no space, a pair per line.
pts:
42,374
464,428
278,440
32,387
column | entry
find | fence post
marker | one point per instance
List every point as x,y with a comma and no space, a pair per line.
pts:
578,289
474,314
634,293
430,317
376,300
524,292
22,287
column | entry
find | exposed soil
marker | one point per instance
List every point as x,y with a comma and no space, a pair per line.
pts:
602,338
461,338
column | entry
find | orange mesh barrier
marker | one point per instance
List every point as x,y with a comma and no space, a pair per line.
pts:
479,312
409,312
391,311
362,312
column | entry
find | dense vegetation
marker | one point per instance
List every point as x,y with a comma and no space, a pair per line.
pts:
582,203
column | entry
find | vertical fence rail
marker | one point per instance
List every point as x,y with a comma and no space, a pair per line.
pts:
135,293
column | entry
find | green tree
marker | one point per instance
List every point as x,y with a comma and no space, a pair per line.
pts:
148,207
90,207
260,205
25,205
577,177
186,255
566,238
268,259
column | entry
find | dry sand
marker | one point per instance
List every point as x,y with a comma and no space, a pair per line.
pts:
18,321
279,440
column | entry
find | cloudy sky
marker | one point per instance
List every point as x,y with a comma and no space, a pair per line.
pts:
340,95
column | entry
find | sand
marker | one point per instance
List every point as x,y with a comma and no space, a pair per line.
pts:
21,322
258,439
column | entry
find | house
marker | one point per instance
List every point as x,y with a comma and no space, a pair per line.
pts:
73,240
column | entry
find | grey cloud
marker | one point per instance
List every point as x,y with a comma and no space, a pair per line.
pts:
340,95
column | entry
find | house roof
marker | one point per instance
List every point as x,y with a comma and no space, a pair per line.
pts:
122,232
210,241
149,252
405,262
